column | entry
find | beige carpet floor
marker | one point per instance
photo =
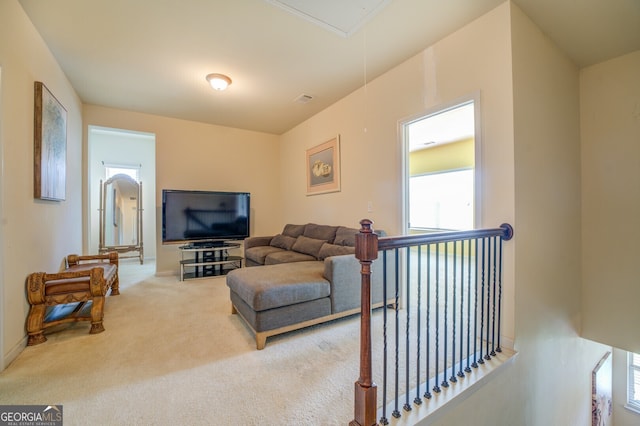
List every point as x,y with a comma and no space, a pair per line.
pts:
172,354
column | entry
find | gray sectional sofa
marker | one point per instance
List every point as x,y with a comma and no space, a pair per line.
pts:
306,275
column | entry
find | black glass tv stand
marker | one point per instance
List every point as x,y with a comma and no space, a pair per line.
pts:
205,244
206,260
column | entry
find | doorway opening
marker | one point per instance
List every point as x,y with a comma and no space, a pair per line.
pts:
116,151
441,153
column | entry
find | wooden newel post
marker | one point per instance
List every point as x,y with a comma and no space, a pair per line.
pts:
365,403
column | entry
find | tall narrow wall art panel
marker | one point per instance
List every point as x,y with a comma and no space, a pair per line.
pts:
50,145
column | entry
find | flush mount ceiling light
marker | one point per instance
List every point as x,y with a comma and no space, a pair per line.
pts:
218,81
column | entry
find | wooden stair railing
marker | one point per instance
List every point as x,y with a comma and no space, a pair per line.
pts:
366,392
367,247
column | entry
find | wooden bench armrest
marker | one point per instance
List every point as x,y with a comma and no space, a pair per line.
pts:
75,259
36,282
67,275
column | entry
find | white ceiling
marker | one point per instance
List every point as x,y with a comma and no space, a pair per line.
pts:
152,56
342,17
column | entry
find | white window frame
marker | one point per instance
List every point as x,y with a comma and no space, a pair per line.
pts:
633,382
403,133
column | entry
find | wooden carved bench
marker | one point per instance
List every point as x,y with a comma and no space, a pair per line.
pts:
85,279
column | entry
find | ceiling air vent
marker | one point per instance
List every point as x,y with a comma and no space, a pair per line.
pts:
303,99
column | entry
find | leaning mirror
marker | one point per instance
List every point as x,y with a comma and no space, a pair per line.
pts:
121,216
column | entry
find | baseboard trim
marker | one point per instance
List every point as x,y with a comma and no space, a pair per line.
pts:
13,353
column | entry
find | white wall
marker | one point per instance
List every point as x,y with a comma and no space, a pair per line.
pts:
372,159
548,220
530,168
550,381
610,126
192,155
36,235
114,146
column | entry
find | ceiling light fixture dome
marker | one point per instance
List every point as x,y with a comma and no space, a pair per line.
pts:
218,81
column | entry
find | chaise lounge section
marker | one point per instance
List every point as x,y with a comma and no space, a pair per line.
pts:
306,275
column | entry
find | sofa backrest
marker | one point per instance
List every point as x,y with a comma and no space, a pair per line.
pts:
346,236
293,230
320,232
338,235
311,230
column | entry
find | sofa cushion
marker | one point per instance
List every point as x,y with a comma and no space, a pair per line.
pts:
320,232
328,250
282,241
306,245
346,236
287,256
259,253
293,230
273,286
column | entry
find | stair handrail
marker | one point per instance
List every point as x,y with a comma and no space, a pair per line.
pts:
368,243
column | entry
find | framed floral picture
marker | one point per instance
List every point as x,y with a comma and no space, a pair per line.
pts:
323,167
50,145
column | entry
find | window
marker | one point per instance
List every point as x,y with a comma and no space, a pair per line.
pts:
442,200
633,394
133,172
440,149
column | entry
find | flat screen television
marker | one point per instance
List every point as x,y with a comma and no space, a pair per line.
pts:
203,217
